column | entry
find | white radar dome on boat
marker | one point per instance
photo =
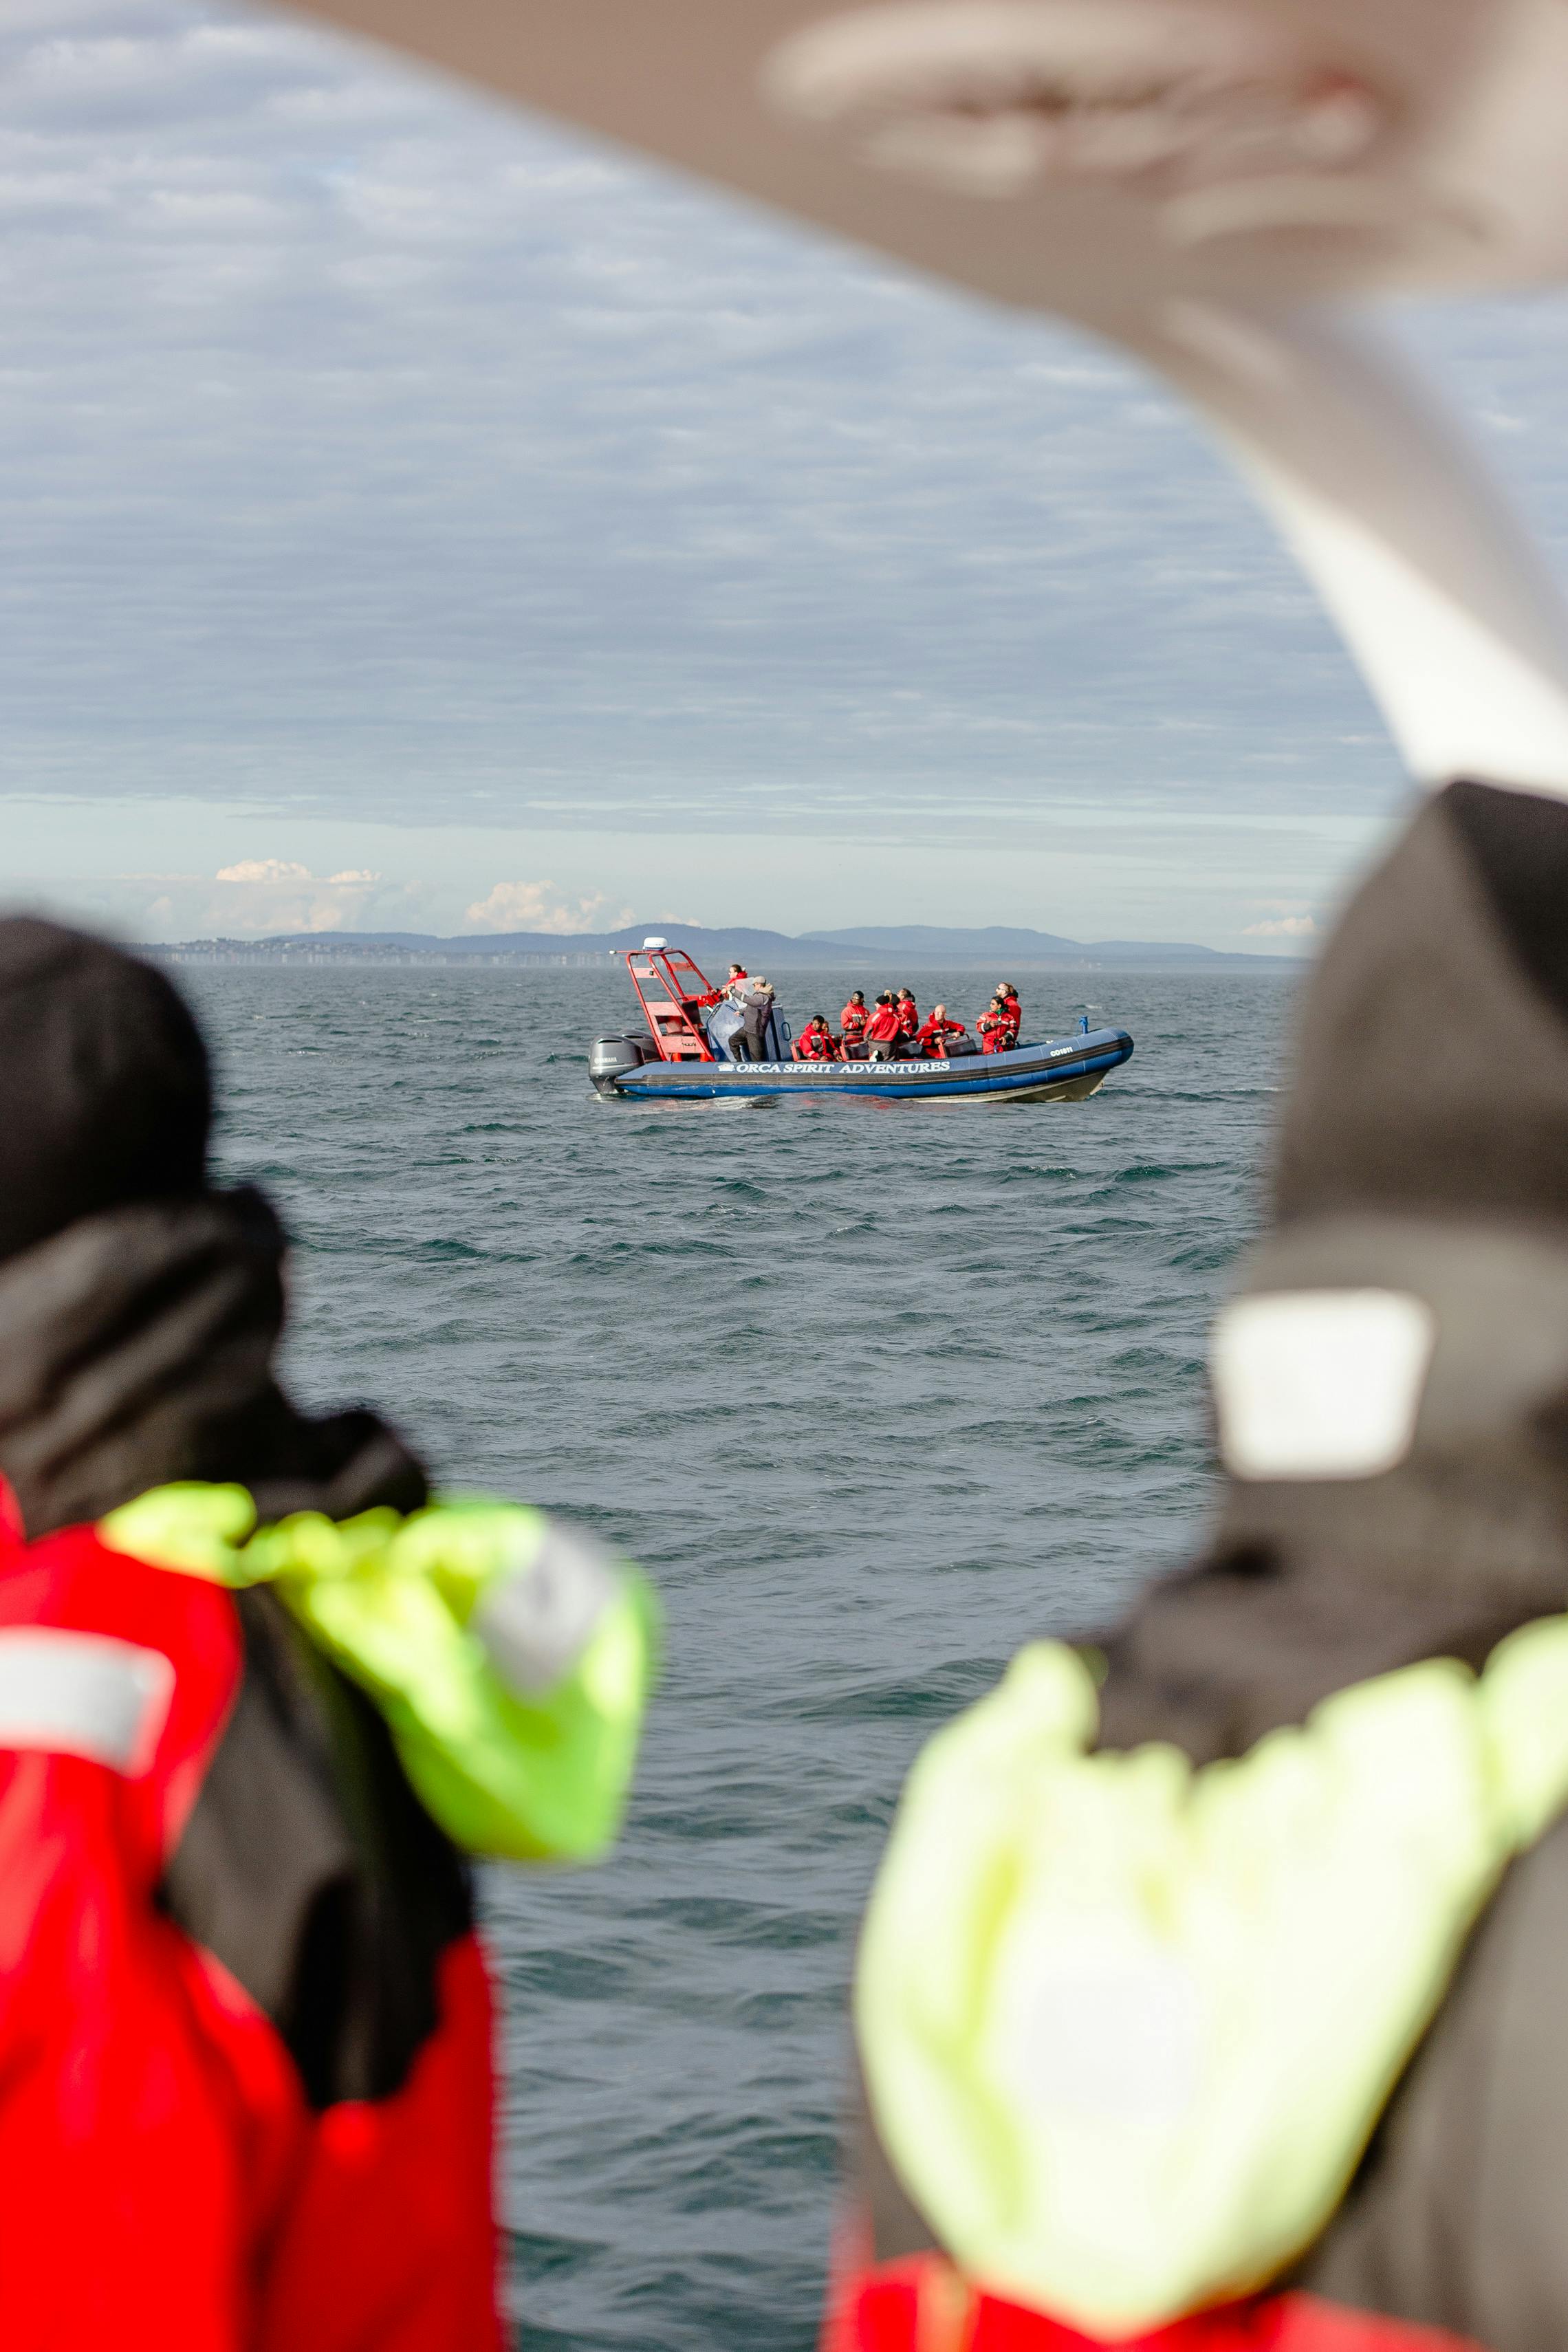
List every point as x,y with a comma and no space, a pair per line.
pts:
655,943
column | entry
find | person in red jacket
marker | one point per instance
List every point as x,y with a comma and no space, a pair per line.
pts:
883,1030
1007,997
996,1033
246,2096
816,1042
909,1015
735,981
854,1021
934,1032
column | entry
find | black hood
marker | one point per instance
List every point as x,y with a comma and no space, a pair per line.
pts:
1424,1149
136,1349
105,1094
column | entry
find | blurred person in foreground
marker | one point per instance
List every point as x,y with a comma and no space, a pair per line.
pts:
260,1698
1223,2005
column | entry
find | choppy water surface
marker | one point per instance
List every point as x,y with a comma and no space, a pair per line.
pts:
875,1393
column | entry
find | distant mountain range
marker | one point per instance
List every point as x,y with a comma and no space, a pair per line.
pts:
875,946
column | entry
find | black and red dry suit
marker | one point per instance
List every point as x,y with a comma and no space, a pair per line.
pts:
245,2030
245,2061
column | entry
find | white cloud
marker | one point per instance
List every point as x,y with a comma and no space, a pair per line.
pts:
540,906
1282,927
263,869
259,895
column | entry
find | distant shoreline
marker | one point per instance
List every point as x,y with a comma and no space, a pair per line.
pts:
895,948
258,959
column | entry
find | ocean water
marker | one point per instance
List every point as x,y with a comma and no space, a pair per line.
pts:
875,1393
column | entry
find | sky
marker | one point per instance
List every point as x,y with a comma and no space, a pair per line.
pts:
418,517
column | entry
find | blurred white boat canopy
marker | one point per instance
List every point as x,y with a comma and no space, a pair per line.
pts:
1212,185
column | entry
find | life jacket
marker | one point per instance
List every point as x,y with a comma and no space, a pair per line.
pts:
884,1024
1126,2025
994,1036
814,1046
909,1016
853,1022
203,2144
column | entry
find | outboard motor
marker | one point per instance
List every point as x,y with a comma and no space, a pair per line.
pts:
610,1058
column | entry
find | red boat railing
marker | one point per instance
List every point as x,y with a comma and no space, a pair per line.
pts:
668,984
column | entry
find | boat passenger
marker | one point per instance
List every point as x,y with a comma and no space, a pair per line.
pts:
882,1032
909,1015
816,1042
934,1032
736,980
713,996
1008,997
246,2076
996,1032
853,1021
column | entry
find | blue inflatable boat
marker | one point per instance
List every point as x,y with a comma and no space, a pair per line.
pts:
682,1055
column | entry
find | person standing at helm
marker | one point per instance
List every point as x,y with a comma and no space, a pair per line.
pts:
755,999
1232,2019
261,1697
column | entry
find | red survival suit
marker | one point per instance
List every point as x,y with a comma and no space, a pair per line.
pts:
909,1014
884,1024
932,1035
245,2025
716,996
177,2185
816,1046
853,1023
